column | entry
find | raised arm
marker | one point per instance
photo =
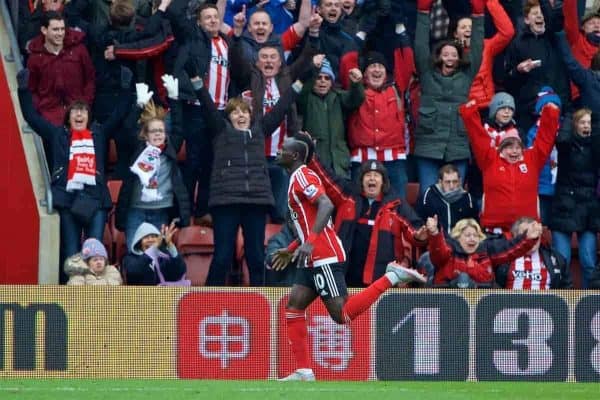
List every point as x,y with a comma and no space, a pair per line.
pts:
476,50
544,140
404,59
301,25
272,119
579,75
480,141
504,27
40,125
571,20
422,49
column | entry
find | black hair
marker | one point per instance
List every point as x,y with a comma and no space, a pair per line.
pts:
304,146
49,16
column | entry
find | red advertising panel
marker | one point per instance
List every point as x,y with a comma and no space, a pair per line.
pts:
338,352
223,336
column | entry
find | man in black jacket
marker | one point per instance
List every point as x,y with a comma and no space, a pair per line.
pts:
447,199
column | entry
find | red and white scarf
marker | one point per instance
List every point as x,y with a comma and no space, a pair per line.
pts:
146,167
82,161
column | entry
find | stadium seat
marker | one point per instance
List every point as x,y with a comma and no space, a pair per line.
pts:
412,193
196,244
181,154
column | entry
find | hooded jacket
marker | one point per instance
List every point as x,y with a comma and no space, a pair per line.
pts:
56,80
80,274
138,265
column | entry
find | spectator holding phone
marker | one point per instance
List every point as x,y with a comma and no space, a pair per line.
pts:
532,61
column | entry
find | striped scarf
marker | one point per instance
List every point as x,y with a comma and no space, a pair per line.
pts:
82,161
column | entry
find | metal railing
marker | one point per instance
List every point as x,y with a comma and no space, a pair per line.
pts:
11,19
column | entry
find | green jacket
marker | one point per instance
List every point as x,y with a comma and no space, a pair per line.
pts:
440,133
324,118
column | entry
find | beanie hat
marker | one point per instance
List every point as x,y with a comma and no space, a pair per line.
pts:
546,95
93,248
501,100
510,134
326,69
594,12
377,166
373,57
141,232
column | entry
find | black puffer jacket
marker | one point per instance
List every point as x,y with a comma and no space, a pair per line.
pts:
575,207
239,172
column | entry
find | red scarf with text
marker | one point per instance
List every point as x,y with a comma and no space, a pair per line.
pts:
82,161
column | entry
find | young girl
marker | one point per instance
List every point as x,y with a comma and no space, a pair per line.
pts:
153,190
468,258
90,267
152,250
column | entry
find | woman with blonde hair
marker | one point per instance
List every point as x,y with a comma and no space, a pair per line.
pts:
153,190
467,259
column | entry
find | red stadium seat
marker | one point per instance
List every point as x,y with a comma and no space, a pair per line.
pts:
196,245
412,193
181,154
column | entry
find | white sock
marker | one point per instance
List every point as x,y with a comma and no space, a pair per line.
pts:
305,370
392,277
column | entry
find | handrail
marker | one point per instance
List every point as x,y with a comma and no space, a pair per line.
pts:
15,56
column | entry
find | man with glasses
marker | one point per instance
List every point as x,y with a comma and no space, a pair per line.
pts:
324,110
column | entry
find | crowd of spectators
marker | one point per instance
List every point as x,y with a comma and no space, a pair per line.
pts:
491,106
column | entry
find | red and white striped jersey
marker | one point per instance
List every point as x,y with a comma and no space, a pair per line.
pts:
274,142
305,188
528,273
361,154
217,81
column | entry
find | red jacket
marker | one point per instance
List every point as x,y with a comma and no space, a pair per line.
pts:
583,50
392,236
482,88
379,122
510,190
449,259
55,81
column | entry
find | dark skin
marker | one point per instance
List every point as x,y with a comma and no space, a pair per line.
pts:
291,157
